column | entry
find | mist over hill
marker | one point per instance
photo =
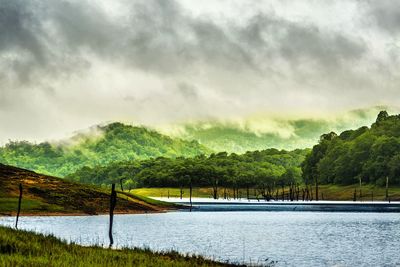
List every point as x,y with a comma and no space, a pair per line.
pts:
262,132
100,145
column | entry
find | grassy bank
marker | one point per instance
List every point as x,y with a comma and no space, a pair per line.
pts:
21,248
44,194
329,192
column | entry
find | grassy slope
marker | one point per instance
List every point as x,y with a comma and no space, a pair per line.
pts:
50,195
331,192
21,248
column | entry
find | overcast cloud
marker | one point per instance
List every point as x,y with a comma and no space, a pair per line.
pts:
66,65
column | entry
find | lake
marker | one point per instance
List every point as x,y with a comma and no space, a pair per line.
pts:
290,238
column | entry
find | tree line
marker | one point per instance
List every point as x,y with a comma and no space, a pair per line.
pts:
266,170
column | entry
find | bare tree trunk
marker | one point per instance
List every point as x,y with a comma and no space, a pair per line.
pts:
247,192
120,182
113,202
215,189
283,193
190,195
316,189
387,188
181,191
19,205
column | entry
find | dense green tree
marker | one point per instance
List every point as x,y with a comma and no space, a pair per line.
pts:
369,155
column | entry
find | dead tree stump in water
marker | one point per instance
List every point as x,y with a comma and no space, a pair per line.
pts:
113,202
19,205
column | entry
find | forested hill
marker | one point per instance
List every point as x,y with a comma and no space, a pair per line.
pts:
370,154
103,145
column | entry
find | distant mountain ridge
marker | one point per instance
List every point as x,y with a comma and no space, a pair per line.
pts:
102,145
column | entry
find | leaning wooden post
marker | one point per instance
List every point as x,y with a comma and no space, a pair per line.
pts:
19,205
113,202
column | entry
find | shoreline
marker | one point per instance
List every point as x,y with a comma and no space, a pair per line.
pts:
64,214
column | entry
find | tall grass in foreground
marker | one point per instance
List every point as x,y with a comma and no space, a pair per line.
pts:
22,248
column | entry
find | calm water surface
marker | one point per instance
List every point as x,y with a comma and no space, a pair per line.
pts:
290,238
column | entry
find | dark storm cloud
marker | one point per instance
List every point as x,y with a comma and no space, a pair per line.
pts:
274,37
386,13
158,36
68,63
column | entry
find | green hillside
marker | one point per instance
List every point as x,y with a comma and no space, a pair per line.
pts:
368,154
103,145
44,194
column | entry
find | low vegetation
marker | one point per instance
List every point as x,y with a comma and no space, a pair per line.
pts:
22,248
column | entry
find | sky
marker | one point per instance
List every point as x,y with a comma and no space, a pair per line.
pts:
67,65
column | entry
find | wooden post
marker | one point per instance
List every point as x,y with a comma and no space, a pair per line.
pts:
113,202
190,194
181,191
387,188
19,205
